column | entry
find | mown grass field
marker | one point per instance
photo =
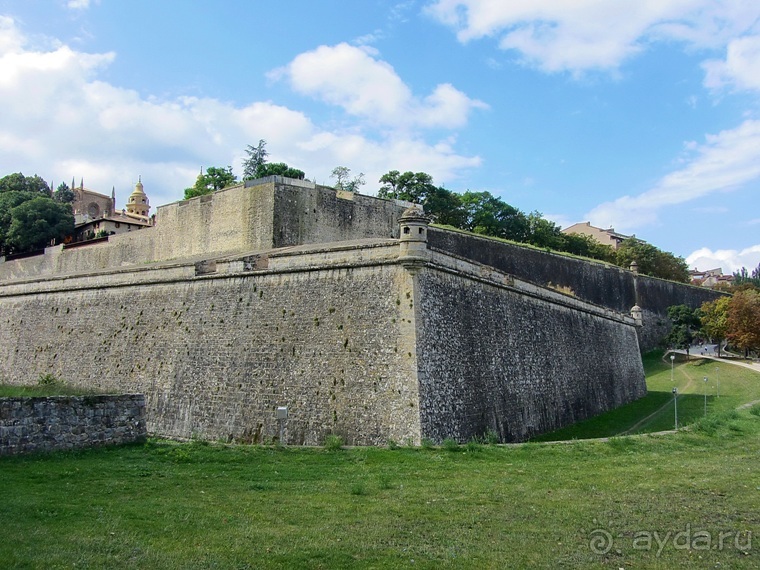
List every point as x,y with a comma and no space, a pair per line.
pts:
684,500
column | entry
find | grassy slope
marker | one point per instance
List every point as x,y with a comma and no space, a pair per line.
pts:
737,386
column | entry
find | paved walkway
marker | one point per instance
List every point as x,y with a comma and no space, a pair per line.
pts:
711,355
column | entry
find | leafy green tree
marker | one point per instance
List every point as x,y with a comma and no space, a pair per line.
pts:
491,216
215,179
344,181
544,233
19,183
652,261
743,320
586,246
37,222
445,207
8,201
713,316
63,194
279,169
685,322
410,186
257,158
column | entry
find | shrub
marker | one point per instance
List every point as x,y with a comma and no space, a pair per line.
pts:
48,380
333,442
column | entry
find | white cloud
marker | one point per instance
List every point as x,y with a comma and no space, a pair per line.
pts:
557,35
366,87
729,260
60,119
79,4
740,69
721,164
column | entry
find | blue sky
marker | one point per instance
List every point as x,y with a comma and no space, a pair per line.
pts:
637,114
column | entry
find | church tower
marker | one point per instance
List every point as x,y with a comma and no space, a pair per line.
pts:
138,202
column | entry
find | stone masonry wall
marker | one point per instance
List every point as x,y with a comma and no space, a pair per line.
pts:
318,215
216,355
256,216
70,422
494,359
604,285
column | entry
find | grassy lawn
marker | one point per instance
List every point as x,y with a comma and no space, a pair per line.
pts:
655,412
189,505
684,500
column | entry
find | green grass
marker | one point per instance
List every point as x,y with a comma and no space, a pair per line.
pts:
188,505
198,505
655,411
60,389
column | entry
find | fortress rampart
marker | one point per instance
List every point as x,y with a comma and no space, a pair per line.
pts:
308,300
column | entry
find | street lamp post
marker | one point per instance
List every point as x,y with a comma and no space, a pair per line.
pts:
675,404
672,360
705,379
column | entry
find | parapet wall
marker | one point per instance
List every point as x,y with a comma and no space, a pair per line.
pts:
608,286
70,422
256,216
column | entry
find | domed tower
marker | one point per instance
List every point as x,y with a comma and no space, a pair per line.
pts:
413,237
138,202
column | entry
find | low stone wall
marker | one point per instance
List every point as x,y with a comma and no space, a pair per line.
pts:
70,422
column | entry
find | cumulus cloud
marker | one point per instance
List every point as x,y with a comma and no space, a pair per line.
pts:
61,120
740,69
556,35
729,260
366,87
722,163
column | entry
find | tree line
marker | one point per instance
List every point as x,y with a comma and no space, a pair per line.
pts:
483,213
477,212
25,227
734,319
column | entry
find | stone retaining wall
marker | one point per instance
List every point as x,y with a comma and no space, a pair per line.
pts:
70,422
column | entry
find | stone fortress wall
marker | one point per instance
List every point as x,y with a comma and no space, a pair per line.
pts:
596,282
315,304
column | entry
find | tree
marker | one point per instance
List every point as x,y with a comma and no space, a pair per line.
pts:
491,216
257,158
215,179
652,261
410,186
685,321
279,169
19,183
744,320
587,246
63,194
543,232
344,181
713,315
36,222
